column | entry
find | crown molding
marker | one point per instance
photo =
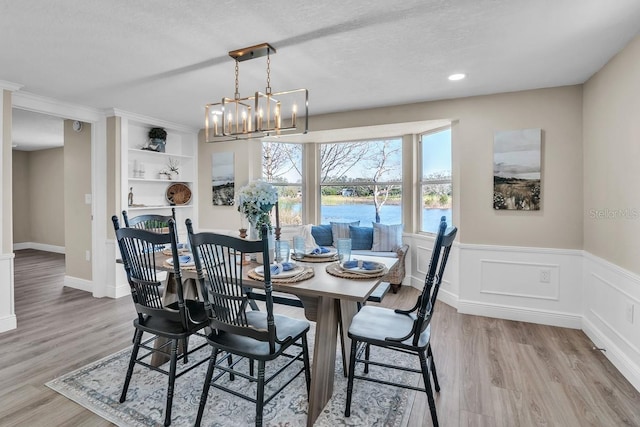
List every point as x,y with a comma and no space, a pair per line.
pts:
5,85
42,104
150,120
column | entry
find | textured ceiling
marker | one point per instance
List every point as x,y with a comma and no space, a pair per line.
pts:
167,58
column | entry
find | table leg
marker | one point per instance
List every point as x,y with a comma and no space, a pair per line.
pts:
348,309
324,357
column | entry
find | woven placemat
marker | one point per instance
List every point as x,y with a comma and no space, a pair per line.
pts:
303,275
335,270
182,267
316,258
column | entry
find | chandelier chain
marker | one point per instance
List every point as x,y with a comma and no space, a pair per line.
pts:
268,74
237,95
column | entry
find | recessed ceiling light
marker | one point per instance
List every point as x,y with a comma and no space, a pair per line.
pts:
459,76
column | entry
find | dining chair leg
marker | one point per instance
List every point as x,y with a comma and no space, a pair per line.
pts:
307,365
185,350
132,361
432,367
352,367
207,384
260,393
172,380
367,353
427,386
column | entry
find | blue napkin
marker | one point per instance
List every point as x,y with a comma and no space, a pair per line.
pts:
366,265
184,259
320,250
280,267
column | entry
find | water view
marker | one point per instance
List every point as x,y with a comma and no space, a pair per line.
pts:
389,214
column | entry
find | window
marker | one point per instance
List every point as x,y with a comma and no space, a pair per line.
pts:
436,179
361,181
282,166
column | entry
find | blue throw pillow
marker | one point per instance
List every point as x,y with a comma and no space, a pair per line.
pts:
361,237
322,234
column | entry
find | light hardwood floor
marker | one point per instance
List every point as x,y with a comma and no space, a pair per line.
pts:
492,372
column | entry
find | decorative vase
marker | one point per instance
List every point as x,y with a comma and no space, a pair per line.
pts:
253,235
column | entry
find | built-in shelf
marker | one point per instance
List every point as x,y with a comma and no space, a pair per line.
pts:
168,181
137,151
149,193
141,208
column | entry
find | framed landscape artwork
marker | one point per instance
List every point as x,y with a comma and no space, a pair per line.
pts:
222,179
516,169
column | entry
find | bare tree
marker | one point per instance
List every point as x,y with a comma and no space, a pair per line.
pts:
280,159
337,159
382,161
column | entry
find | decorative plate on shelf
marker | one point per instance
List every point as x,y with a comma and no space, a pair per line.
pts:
178,194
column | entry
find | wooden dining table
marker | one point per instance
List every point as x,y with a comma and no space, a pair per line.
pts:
330,302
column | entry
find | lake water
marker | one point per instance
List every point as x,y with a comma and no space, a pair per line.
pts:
389,214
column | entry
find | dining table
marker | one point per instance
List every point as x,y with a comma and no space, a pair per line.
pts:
328,300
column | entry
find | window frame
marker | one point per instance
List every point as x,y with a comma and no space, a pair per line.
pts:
422,182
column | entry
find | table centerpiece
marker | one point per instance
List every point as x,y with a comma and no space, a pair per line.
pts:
255,202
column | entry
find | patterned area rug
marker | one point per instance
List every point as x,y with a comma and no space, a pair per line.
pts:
97,387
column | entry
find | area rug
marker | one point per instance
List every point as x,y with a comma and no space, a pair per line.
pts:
97,387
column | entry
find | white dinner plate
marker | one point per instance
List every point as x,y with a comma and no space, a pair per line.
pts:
294,271
332,252
379,268
191,263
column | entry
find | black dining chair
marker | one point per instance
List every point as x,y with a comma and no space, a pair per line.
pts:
406,331
260,336
151,222
174,322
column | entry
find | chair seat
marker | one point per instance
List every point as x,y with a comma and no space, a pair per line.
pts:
252,348
374,324
171,329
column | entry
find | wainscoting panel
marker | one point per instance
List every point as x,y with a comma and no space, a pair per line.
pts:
527,284
420,249
519,279
612,314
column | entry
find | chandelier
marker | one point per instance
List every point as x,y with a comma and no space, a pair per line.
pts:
263,114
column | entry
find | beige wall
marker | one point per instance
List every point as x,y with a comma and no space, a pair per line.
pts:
21,192
46,197
77,183
247,167
557,111
611,160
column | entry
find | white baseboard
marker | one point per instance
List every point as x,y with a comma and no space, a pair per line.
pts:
629,368
8,323
76,283
543,317
39,247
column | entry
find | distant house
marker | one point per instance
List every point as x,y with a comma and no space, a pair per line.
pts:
348,192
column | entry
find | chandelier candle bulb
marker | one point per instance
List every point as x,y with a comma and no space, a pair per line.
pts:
278,116
230,124
293,115
244,121
215,125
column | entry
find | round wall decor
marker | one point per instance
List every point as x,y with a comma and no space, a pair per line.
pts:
178,194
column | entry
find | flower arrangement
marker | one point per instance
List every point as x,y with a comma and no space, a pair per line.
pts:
255,201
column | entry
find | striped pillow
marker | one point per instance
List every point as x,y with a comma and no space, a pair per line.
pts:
386,238
340,230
